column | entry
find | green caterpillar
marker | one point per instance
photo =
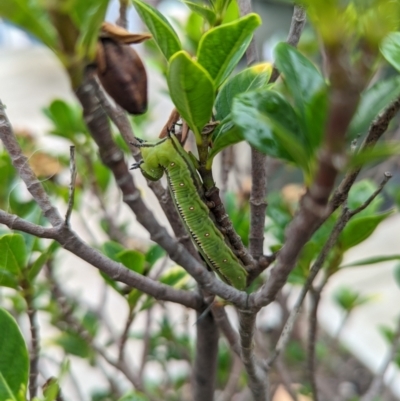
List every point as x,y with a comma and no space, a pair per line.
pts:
168,156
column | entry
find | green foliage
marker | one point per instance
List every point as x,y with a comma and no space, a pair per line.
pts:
221,48
373,101
14,360
390,49
192,91
162,31
349,299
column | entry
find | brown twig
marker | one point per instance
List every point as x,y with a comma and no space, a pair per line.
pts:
312,340
257,379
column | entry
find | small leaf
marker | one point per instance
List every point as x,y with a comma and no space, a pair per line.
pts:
371,261
207,13
372,102
348,299
176,277
133,396
14,359
12,253
254,77
191,90
390,49
74,344
112,249
92,13
308,89
221,48
153,254
226,134
162,31
359,229
133,260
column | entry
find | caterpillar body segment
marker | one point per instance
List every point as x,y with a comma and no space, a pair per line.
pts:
184,183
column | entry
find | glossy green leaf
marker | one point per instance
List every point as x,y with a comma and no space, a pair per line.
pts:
92,14
31,17
359,193
269,123
133,260
12,253
254,77
14,359
37,266
134,396
371,261
226,134
390,48
221,48
359,229
191,90
308,89
162,31
372,102
207,13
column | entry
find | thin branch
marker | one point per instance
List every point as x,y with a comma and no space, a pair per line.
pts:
35,342
71,196
146,343
122,19
258,382
375,387
125,334
312,340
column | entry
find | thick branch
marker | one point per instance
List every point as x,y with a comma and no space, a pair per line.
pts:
256,376
205,363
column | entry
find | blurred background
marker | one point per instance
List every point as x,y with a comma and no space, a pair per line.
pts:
31,78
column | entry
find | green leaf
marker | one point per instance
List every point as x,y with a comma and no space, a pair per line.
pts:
359,229
254,77
348,299
133,260
176,277
360,192
192,91
8,279
269,123
372,102
74,344
112,249
162,31
308,89
12,253
221,48
207,13
92,14
14,359
390,48
226,134
67,119
134,396
371,261
153,254
31,17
